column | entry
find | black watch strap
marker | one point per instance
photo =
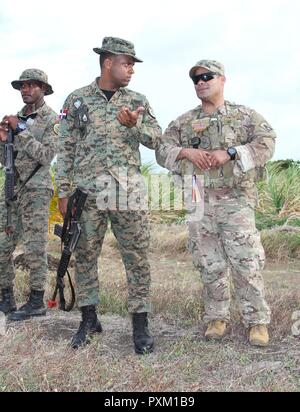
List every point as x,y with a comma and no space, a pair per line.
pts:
232,152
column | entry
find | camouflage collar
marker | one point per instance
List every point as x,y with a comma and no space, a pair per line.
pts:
223,110
95,88
40,111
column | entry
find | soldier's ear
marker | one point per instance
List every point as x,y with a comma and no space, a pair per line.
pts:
108,63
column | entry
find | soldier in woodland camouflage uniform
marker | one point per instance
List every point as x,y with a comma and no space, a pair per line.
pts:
35,143
226,146
101,129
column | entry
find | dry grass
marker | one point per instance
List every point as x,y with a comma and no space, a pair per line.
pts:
35,356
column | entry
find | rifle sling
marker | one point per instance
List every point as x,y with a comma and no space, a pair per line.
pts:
37,167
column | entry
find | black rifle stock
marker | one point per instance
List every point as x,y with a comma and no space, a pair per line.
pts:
69,234
9,162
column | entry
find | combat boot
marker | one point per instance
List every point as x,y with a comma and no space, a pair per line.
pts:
7,304
34,307
216,330
258,335
143,341
89,325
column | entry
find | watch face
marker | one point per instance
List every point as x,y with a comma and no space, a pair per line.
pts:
22,126
232,152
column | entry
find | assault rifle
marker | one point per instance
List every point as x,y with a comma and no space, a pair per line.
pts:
9,162
69,234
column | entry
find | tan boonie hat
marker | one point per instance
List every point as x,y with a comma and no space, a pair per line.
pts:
116,46
33,74
211,65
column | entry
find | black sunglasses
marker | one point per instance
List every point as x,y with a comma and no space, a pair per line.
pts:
205,77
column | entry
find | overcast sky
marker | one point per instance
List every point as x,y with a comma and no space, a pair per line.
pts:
256,41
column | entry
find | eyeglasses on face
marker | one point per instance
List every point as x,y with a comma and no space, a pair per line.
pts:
204,77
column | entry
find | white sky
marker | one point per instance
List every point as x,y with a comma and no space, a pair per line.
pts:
256,41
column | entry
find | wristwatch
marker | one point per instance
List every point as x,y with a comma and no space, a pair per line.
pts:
21,126
232,152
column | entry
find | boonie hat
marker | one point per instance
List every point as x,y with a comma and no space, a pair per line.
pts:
33,74
115,45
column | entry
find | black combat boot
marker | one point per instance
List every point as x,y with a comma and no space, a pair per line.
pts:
88,326
143,341
7,304
34,307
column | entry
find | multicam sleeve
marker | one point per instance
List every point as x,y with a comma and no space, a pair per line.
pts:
169,147
261,143
68,137
43,152
147,130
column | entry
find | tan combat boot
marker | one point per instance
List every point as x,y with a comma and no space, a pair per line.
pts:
216,329
259,335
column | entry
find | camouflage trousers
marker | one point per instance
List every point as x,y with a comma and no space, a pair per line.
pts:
30,214
132,233
226,242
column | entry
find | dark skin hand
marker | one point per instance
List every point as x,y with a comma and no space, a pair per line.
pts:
62,205
205,160
219,158
199,158
128,118
8,121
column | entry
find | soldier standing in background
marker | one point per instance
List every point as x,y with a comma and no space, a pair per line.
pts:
224,145
35,143
101,129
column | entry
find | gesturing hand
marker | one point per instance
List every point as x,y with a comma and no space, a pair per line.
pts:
128,118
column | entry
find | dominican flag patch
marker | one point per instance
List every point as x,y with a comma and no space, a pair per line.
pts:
63,114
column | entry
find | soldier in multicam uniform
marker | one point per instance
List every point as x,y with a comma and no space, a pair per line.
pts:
35,143
101,129
226,146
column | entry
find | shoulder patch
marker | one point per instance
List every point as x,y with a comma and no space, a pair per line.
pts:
77,103
56,128
63,114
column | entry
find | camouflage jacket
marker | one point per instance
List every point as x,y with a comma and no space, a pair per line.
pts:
231,126
36,144
93,142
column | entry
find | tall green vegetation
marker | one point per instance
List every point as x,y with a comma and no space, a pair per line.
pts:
279,195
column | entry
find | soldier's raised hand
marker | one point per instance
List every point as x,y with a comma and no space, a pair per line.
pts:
128,118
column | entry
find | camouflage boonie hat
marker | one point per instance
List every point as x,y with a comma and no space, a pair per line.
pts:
117,46
33,74
211,65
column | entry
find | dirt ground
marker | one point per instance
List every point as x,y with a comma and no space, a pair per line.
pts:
35,354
